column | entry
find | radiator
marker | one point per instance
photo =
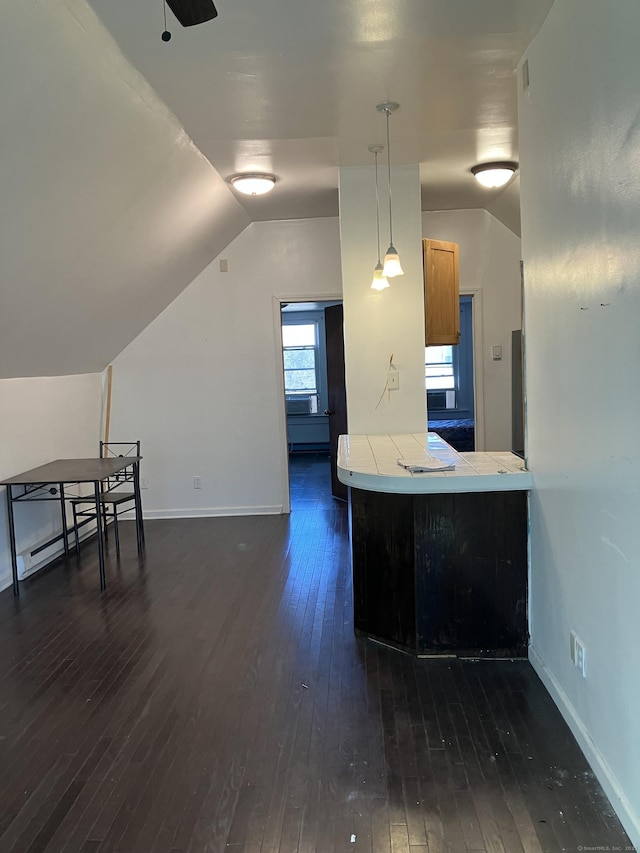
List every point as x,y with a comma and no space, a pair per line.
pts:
30,563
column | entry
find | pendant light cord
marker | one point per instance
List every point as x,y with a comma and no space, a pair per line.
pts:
164,9
377,207
387,113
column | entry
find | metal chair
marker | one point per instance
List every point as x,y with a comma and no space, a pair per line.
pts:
118,492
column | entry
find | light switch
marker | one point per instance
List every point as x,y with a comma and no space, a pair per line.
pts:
496,353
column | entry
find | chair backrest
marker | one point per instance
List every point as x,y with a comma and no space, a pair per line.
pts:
114,449
119,448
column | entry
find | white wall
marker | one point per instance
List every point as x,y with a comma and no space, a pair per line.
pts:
580,144
490,263
107,211
42,419
390,322
201,386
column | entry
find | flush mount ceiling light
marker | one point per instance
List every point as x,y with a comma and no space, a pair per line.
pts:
392,265
378,282
253,184
492,175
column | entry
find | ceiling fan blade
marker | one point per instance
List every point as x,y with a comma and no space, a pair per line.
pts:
192,12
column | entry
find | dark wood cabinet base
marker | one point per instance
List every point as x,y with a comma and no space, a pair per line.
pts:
441,574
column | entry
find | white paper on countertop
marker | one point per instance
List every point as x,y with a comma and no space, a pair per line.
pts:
425,463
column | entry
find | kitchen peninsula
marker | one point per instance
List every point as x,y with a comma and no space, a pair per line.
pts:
439,557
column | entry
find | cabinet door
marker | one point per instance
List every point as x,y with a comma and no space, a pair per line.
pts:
441,288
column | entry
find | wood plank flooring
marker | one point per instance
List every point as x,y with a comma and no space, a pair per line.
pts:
214,698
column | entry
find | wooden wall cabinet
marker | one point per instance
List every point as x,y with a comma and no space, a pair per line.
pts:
441,293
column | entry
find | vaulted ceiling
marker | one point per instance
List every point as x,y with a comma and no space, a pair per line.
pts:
117,145
290,87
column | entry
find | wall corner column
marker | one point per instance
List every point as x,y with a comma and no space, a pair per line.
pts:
388,323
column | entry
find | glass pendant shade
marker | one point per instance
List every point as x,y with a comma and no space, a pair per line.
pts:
379,282
392,266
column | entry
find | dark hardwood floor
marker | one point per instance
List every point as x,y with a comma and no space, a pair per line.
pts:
215,698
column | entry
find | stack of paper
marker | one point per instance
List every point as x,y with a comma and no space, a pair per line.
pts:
425,463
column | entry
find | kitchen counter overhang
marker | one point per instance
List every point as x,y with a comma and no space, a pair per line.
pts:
370,462
439,558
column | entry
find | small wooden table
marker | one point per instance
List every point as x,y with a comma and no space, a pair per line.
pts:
48,482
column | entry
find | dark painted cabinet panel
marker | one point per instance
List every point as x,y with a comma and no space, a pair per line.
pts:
442,574
384,567
471,572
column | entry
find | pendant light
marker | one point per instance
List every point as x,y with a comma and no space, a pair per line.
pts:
392,265
378,282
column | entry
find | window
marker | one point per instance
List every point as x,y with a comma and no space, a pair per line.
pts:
300,354
438,368
448,372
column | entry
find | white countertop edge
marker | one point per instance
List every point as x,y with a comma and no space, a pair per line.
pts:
433,483
374,452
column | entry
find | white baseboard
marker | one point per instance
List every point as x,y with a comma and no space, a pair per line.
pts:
213,512
621,805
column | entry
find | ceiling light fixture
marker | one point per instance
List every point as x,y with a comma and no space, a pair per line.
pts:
492,175
189,13
378,282
253,184
392,265
192,12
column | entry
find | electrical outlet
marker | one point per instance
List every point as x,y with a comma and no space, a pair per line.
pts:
393,380
525,75
581,657
578,653
197,482
573,638
144,482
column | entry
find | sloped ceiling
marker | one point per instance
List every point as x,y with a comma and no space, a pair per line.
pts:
107,210
290,87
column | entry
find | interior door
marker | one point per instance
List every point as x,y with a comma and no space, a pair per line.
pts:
337,395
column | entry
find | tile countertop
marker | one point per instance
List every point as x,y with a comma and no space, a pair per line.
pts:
370,462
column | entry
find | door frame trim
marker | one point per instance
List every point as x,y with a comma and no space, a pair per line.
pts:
478,366
277,302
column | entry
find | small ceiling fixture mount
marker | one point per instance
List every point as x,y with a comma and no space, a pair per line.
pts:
253,184
492,175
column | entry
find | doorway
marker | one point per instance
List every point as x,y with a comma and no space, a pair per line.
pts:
450,385
314,398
